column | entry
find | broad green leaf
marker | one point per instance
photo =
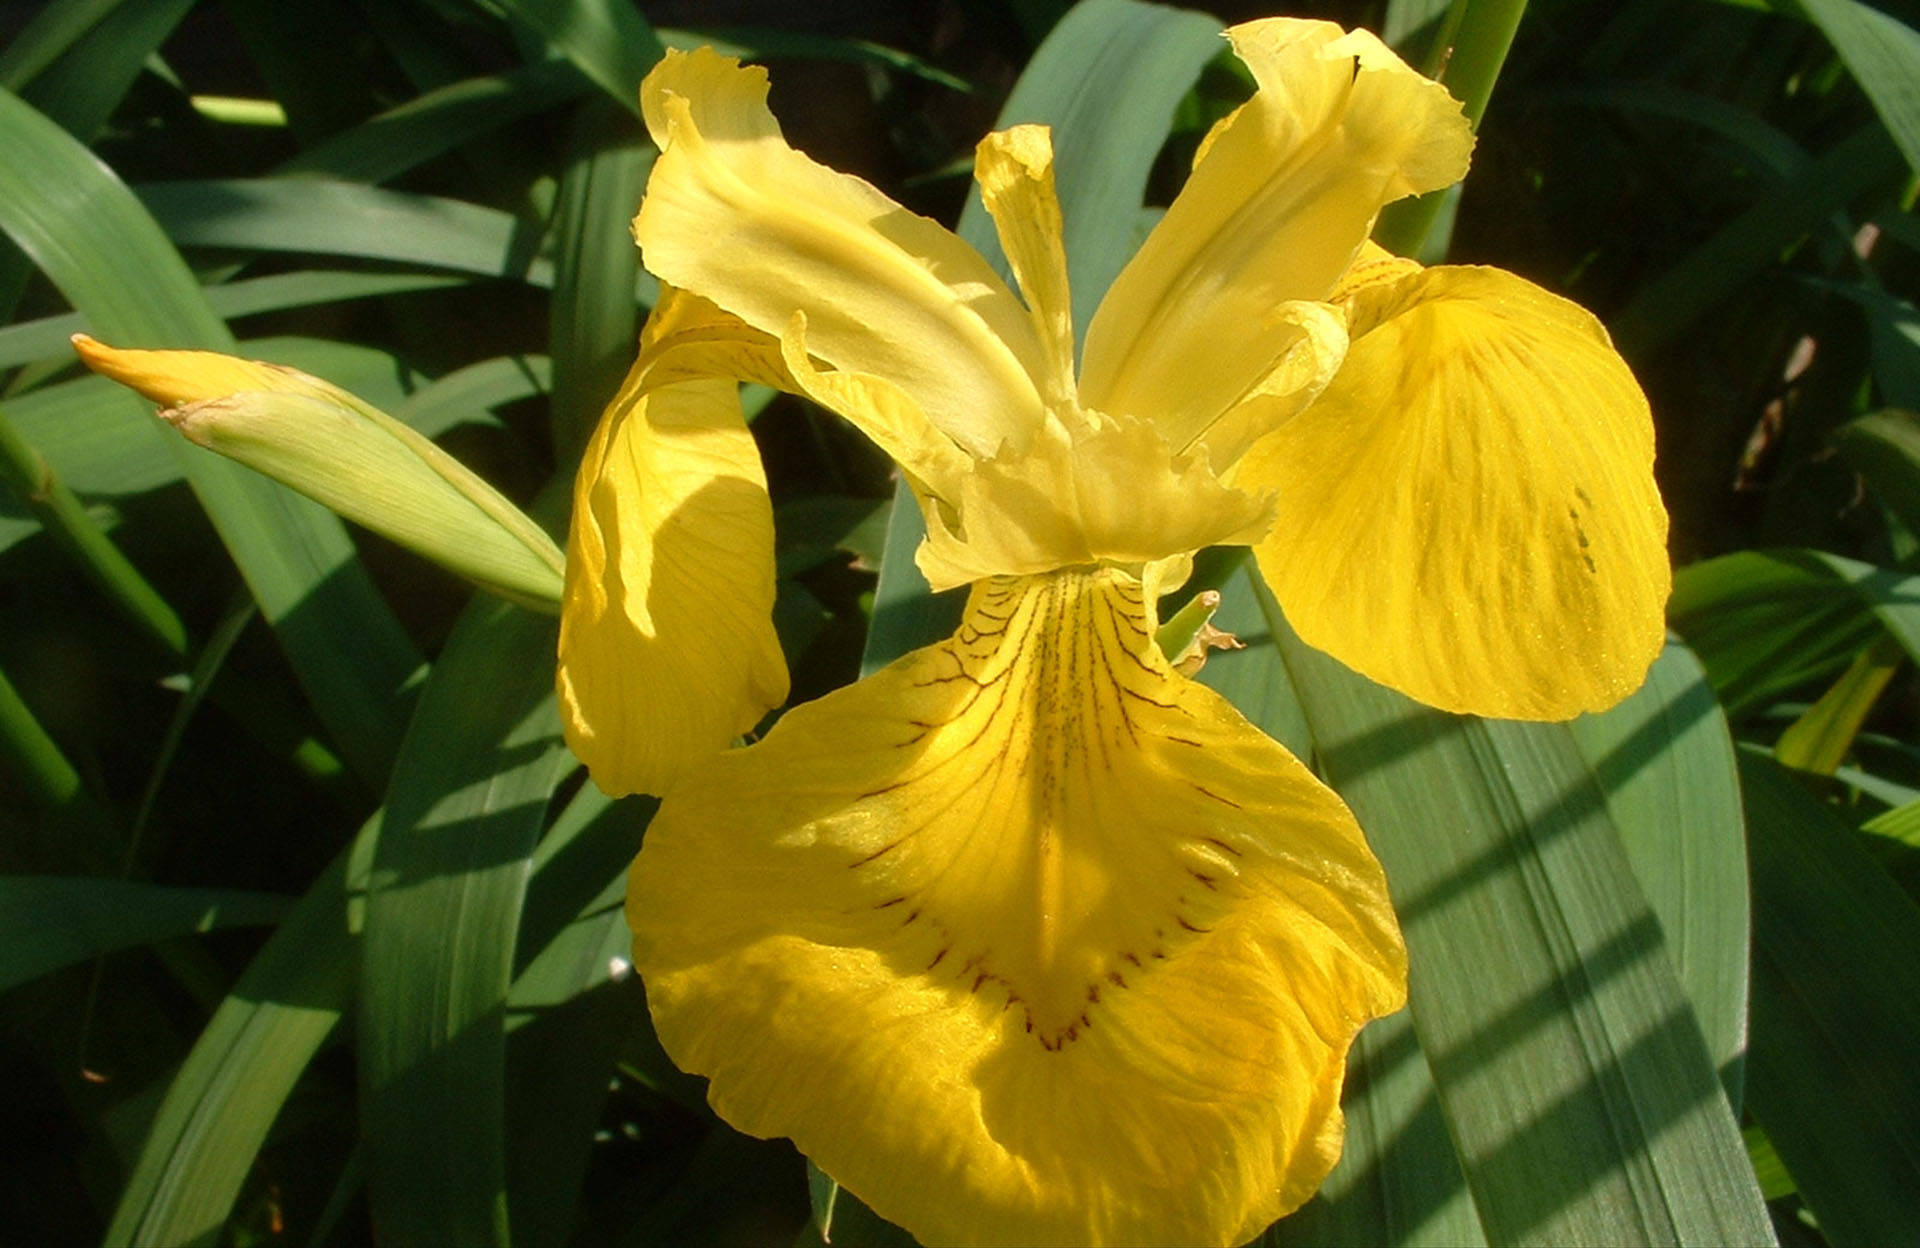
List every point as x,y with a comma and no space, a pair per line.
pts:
1664,759
81,226
607,40
593,322
47,921
571,1007
1775,1182
29,756
82,86
467,394
1568,1065
1406,19
1884,447
1893,328
464,812
1775,151
347,219
219,1107
48,337
1883,54
1893,838
907,614
74,61
1892,596
811,531
1765,622
437,122
1820,740
1753,241
1253,678
1398,1180
1901,825
54,29
1836,1007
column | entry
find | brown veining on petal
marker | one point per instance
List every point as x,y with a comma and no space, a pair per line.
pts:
1061,674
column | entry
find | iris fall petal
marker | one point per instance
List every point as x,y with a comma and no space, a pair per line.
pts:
1025,939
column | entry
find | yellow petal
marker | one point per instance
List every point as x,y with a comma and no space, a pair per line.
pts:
1014,168
1374,265
1024,939
1468,514
1274,213
175,378
734,214
1117,495
667,648
882,411
1312,341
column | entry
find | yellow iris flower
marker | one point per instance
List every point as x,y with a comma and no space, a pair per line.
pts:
1028,938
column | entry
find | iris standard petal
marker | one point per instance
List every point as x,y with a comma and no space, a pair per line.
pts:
1276,210
882,411
1468,514
1014,168
1024,939
736,215
667,648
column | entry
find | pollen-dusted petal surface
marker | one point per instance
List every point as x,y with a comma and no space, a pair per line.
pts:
734,214
1468,514
1024,939
667,648
1287,190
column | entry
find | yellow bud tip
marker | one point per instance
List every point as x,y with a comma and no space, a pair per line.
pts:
173,378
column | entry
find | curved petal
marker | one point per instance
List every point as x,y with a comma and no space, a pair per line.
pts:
1117,495
1014,168
1273,213
1312,342
1024,939
734,214
667,648
1469,514
881,410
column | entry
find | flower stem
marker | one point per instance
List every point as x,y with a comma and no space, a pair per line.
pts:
67,522
1466,58
31,755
